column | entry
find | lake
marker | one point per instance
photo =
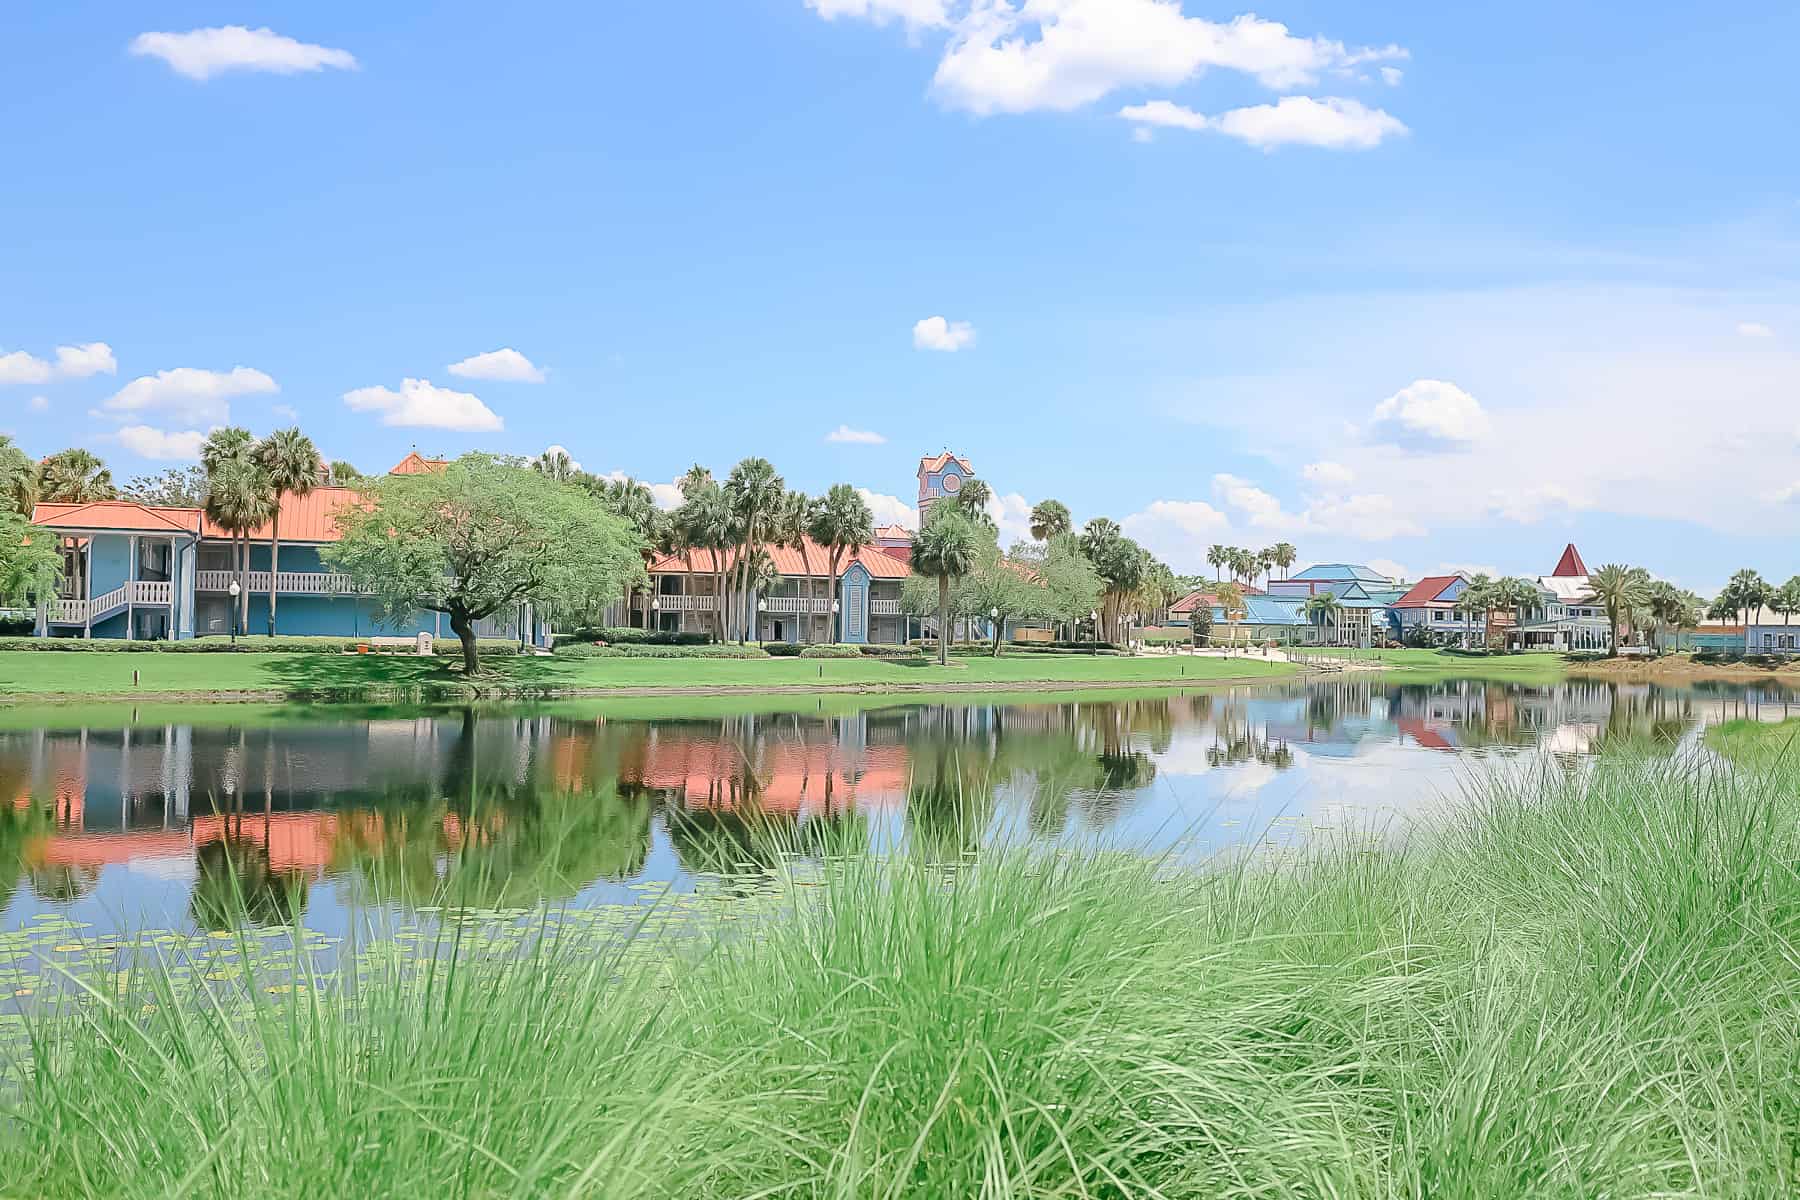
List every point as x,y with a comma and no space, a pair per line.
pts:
203,818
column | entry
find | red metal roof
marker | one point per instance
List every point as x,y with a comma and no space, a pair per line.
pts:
1570,566
814,560
308,518
1209,596
1425,592
417,464
127,516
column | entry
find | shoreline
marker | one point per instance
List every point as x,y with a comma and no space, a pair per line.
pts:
1675,669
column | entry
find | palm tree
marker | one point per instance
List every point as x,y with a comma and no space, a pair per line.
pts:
1321,609
1745,592
291,464
341,473
1477,599
706,524
793,529
234,444
1284,556
238,500
1231,603
1517,595
945,549
1620,590
754,491
636,504
74,476
1049,519
1243,565
18,478
1217,556
1786,599
555,463
1671,608
842,523
974,496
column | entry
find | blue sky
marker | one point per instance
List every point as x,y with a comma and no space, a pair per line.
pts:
1420,285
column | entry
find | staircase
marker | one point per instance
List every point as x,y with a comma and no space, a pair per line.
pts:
85,612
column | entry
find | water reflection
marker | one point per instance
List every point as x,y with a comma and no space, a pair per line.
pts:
218,824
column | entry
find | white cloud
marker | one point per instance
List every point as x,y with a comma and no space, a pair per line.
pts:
1391,76
666,495
1332,123
860,437
39,403
1012,517
1392,569
191,393
1372,517
1469,569
202,53
1786,495
1178,531
146,442
915,14
1754,329
72,362
1063,54
1532,503
505,365
936,333
286,412
1327,474
1430,414
421,403
1256,506
890,510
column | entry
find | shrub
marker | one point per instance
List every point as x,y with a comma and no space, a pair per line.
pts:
782,649
626,636
884,650
486,647
1065,644
830,650
15,624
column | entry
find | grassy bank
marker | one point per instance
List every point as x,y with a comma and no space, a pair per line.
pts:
1757,744
1523,668
1586,987
37,674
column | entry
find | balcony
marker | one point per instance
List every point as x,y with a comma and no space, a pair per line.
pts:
684,603
795,604
884,608
297,583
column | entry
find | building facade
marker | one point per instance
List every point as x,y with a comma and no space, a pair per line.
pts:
1567,616
1430,605
143,572
685,596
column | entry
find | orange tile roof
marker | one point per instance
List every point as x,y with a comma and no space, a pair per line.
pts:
936,462
308,518
813,560
417,464
127,516
893,531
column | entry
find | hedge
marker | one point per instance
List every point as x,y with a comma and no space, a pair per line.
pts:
830,650
889,650
1077,644
594,650
626,636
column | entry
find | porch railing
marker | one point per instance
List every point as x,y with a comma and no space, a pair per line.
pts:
150,592
797,604
684,603
884,608
303,583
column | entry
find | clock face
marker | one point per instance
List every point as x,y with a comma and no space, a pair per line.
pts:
953,484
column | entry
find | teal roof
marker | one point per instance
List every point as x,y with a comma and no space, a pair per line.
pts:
1333,571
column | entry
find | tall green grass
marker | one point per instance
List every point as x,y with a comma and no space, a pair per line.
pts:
1587,984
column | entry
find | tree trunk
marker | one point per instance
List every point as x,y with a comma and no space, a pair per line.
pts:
831,590
274,560
943,620
999,623
243,601
465,630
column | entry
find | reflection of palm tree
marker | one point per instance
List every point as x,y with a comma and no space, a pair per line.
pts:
61,884
235,882
949,802
730,841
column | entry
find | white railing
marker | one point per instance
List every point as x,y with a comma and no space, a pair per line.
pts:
69,612
117,598
796,604
151,592
304,583
684,603
884,608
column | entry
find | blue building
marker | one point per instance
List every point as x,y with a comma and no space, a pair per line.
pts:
148,572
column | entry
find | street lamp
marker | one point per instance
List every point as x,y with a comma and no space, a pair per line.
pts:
235,591
1093,632
656,614
994,621
762,606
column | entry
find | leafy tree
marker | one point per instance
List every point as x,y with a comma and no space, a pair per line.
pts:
18,478
30,563
342,474
479,538
177,487
843,524
1050,519
636,504
1071,585
945,549
1620,590
74,476
1002,590
291,464
556,464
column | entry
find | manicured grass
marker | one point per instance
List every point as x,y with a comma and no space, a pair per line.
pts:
1756,743
1526,668
1585,987
38,673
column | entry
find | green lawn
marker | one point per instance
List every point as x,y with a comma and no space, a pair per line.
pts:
1525,668
1757,743
29,673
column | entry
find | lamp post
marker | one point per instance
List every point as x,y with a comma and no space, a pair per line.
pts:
1093,632
235,591
832,631
762,606
994,621
656,614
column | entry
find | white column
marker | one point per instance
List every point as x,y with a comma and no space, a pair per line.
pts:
131,574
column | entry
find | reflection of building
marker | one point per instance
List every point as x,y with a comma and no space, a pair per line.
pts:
798,778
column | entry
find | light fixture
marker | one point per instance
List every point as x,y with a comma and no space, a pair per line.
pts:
993,614
762,606
235,590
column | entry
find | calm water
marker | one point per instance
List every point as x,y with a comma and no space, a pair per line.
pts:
138,819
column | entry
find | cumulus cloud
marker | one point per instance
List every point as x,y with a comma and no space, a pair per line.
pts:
1327,474
555,448
505,365
39,403
72,362
937,333
1787,495
1754,329
1371,517
914,14
1430,414
1391,76
146,442
1333,123
1069,53
890,510
1532,503
1012,517
200,54
421,403
858,437
1178,531
191,393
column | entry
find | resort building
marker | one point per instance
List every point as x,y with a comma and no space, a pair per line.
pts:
1363,597
1770,632
685,591
1430,605
941,475
1567,616
149,572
